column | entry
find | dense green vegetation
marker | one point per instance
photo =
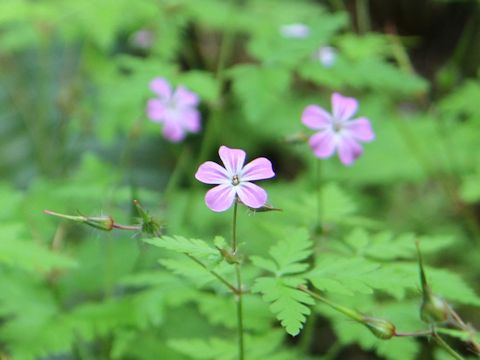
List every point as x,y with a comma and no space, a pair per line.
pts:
133,264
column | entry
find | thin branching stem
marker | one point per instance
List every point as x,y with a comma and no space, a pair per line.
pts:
443,344
234,227
241,350
239,285
224,281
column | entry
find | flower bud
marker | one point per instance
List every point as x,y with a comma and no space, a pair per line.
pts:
381,328
99,222
433,309
149,226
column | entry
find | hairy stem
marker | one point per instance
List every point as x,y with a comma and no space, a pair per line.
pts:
239,285
234,227
319,184
239,313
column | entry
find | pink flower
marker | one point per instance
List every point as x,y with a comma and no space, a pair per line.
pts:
338,131
234,180
177,110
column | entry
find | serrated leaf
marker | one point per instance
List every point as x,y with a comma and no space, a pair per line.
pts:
179,244
291,251
386,246
342,275
192,271
265,264
288,254
214,348
287,303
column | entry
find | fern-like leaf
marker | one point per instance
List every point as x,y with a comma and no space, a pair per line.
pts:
287,303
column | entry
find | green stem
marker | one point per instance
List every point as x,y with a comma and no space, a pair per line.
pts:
352,314
414,333
318,180
239,285
442,343
234,227
177,171
225,282
363,18
241,354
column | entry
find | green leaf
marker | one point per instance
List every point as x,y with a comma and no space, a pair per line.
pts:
221,310
342,275
29,255
214,348
463,101
291,251
288,254
385,246
193,272
179,244
287,303
259,88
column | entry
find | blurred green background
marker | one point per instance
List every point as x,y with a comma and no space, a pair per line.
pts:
74,137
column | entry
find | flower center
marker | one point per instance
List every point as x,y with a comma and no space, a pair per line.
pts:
337,125
235,180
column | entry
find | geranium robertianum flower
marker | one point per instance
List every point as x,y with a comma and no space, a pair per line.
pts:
234,180
177,110
337,131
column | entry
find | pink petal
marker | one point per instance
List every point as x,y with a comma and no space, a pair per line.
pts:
315,117
233,159
184,97
173,131
343,107
212,173
220,198
161,87
251,195
258,169
349,150
191,120
156,110
323,144
360,129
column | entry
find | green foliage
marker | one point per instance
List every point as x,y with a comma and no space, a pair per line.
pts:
259,89
194,247
75,138
288,255
288,303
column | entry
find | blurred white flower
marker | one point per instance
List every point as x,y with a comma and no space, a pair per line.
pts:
326,55
297,30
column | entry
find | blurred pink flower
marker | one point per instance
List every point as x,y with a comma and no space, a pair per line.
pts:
177,110
338,131
234,180
142,39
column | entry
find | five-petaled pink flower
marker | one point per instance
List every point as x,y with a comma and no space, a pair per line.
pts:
338,131
234,180
177,110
